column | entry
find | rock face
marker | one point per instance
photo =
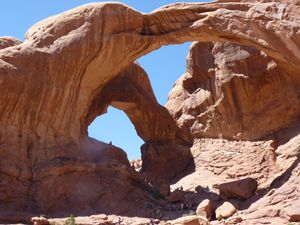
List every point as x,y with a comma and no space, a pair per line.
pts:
268,155
233,91
293,212
72,66
6,42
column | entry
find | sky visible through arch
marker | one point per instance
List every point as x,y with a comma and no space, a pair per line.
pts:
164,66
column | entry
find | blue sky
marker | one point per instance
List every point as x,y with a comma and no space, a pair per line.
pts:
163,66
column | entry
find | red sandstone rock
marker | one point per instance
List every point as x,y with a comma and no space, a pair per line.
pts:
176,196
53,85
242,189
6,42
233,91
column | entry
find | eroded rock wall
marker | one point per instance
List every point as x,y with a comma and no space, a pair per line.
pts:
233,91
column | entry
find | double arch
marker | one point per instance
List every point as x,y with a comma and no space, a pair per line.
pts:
76,54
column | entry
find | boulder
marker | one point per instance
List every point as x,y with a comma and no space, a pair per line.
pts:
224,211
205,209
191,220
241,189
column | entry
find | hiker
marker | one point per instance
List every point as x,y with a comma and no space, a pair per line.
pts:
120,221
172,207
181,206
158,212
206,189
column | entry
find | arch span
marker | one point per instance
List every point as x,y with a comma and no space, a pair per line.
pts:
165,142
79,51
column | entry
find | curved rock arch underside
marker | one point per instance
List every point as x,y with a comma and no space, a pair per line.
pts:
242,84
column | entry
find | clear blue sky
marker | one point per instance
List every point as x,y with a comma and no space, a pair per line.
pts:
163,66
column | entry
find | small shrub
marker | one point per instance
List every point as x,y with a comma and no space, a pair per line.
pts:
70,221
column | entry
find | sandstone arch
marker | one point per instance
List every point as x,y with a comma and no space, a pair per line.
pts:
73,50
165,142
50,81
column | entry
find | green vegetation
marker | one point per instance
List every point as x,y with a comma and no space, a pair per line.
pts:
70,221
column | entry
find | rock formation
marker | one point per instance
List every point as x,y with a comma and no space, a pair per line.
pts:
6,42
131,92
72,66
235,92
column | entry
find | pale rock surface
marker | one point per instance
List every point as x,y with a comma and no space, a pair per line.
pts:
40,221
234,220
191,220
293,211
205,209
225,210
136,164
